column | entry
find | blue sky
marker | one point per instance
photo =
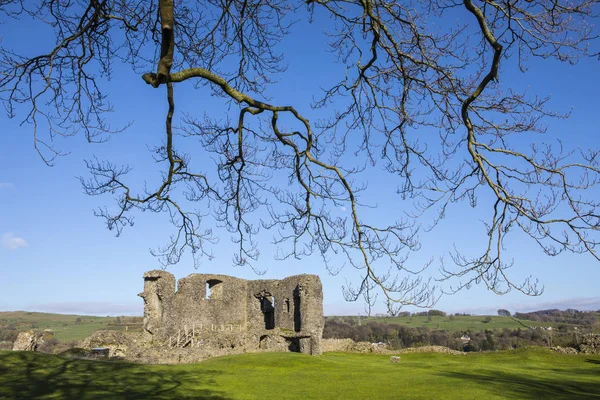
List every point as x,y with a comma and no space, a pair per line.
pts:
56,256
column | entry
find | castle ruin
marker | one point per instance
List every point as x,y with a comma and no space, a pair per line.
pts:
219,311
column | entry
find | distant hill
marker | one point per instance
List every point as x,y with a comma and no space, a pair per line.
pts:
435,319
569,316
450,323
66,327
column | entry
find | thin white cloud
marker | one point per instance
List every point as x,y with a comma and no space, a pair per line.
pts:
578,303
11,242
6,185
100,308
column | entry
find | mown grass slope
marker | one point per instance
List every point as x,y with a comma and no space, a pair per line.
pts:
521,374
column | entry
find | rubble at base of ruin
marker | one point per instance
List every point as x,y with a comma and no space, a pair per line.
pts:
219,314
27,341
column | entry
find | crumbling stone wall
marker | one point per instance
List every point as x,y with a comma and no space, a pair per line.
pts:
159,290
270,314
27,341
590,344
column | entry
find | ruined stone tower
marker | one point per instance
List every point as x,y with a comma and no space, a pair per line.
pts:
276,315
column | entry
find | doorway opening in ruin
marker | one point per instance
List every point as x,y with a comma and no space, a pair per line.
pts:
214,289
293,344
267,307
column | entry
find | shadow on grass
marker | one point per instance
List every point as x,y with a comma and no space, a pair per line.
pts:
518,386
26,375
592,361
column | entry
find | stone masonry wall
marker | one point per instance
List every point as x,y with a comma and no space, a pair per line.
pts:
281,314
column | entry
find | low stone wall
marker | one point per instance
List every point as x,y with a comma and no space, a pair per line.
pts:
337,345
590,344
119,343
136,347
432,349
564,350
350,346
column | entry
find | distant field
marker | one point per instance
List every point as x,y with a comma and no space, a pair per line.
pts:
67,327
458,323
532,373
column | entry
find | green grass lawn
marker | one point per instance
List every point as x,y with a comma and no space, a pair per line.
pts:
458,323
65,327
521,374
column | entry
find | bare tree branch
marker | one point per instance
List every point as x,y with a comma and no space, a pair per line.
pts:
403,80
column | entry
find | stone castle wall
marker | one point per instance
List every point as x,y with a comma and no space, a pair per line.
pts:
286,313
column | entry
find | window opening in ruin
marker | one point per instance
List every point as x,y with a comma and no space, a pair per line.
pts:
286,305
297,313
214,289
267,307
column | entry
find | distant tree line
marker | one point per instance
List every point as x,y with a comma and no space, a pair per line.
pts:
400,336
568,316
429,313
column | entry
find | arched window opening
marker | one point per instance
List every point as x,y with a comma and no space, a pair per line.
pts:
214,289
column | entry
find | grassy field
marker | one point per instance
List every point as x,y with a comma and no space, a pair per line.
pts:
458,323
521,374
67,327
